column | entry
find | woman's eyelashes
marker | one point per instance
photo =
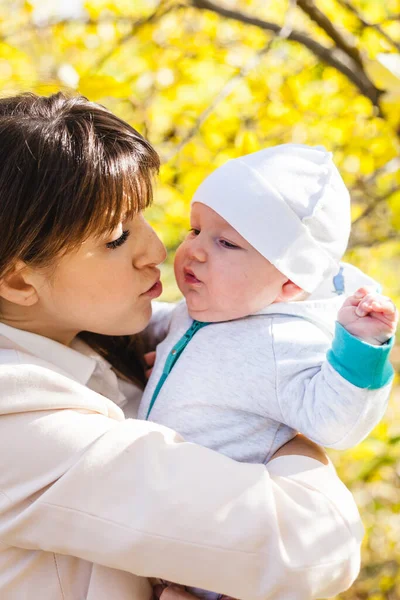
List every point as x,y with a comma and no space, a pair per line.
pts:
119,241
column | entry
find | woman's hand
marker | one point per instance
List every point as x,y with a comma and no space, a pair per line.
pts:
170,592
175,592
302,446
149,359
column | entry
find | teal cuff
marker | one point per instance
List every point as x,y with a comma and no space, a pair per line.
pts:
362,364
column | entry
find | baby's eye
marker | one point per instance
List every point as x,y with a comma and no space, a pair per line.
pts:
194,231
226,244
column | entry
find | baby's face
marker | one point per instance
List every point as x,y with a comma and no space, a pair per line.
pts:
220,274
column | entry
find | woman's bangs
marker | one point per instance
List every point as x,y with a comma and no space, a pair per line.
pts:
117,196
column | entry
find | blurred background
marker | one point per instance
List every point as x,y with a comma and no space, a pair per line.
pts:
208,80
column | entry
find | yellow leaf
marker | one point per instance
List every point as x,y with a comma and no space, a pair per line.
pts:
247,142
96,87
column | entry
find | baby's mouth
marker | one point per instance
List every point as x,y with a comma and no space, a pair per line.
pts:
190,277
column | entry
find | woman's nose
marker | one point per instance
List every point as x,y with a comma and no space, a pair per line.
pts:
153,250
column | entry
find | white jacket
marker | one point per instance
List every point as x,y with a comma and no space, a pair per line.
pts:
245,387
91,503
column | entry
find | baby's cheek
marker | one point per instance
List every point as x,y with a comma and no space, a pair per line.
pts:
244,287
236,298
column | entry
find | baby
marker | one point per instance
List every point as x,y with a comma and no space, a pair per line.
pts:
253,355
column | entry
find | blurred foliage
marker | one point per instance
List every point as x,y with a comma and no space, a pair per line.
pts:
208,81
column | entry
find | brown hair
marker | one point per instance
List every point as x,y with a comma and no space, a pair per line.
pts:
69,168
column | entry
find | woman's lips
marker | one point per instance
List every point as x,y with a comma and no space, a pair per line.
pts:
155,290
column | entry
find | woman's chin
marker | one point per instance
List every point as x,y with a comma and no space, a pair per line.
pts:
131,324
138,324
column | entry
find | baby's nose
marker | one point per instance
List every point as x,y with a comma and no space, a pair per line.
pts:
198,252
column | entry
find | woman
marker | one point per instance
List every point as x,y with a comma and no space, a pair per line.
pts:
93,503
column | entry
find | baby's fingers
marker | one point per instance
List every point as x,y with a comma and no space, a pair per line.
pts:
361,293
376,303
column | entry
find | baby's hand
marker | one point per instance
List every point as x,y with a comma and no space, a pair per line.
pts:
369,316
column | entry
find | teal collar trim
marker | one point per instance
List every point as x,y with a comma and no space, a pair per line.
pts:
172,359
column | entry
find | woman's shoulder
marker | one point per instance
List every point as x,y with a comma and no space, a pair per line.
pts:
28,383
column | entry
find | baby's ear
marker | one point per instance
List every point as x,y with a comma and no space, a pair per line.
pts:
290,291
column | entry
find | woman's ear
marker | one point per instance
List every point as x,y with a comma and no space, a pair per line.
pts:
289,292
15,286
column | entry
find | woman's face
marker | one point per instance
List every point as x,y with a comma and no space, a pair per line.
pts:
106,286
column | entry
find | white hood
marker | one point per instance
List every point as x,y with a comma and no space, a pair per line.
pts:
322,306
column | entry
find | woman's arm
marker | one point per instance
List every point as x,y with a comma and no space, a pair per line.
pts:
134,496
300,446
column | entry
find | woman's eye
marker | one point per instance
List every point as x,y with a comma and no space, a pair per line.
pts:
226,244
119,241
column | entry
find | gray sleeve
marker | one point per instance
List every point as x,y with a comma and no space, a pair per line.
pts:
314,399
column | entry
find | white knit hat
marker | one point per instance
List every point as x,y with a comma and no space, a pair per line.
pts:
290,203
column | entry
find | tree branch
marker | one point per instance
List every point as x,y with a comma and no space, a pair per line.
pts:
224,93
316,15
333,57
228,87
136,26
366,24
371,207
391,166
84,20
390,237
